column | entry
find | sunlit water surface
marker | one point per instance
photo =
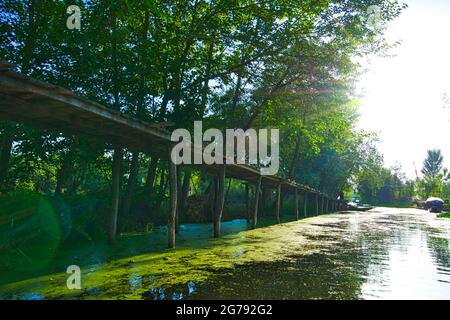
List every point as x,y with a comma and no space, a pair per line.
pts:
380,254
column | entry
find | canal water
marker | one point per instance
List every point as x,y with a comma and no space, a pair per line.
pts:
381,254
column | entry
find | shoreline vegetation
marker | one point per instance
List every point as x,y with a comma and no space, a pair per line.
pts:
444,215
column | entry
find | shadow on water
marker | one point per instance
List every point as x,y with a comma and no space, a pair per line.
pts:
384,253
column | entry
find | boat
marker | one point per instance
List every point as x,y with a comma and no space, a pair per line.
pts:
353,206
434,204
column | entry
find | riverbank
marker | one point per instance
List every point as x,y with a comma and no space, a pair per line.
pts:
444,215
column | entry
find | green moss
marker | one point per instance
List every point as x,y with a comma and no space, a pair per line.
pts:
138,262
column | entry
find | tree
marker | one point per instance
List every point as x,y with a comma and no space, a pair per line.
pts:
434,174
281,64
432,165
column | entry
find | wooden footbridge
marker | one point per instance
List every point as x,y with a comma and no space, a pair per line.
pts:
46,106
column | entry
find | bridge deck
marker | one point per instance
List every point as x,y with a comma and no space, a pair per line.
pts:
36,103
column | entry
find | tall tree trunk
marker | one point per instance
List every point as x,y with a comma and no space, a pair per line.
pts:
132,182
184,191
205,88
236,95
66,167
210,200
256,201
278,203
295,157
162,190
5,155
27,54
220,199
171,223
116,177
179,187
151,174
118,151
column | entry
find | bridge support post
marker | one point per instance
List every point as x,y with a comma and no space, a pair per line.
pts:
317,204
247,204
219,201
256,202
263,202
116,172
296,203
305,204
322,203
278,203
173,193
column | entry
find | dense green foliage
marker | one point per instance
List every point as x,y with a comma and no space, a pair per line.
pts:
379,185
233,64
444,215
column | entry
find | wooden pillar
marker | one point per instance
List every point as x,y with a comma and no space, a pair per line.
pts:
263,201
296,203
255,204
116,178
173,190
278,203
220,201
247,204
328,206
179,193
305,204
317,204
322,204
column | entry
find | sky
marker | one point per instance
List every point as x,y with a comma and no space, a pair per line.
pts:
403,95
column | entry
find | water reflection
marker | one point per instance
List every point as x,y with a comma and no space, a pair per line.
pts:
384,253
391,254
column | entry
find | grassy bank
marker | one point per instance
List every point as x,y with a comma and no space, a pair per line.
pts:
444,215
395,204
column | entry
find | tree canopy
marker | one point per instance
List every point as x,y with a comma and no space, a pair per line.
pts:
233,64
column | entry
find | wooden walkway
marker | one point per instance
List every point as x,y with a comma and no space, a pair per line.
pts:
46,106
